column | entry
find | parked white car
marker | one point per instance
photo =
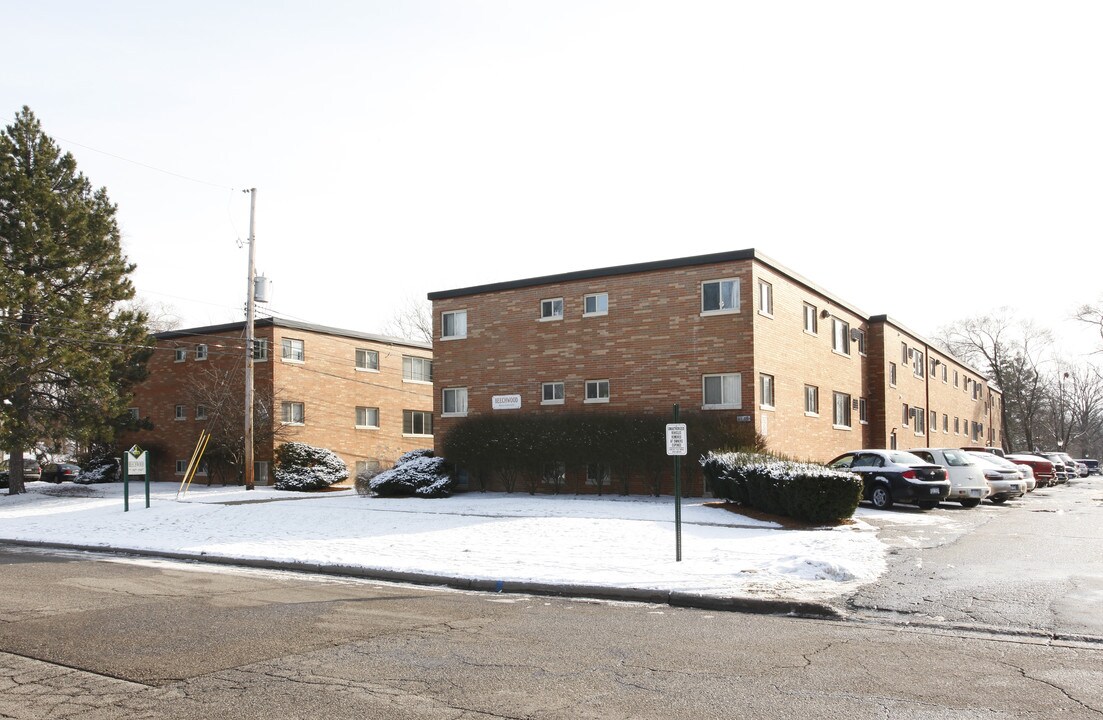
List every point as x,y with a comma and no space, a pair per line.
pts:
967,483
1006,483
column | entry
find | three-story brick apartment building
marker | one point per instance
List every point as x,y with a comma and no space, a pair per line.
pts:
731,332
366,397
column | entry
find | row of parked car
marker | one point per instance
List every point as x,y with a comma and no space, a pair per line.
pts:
969,475
106,470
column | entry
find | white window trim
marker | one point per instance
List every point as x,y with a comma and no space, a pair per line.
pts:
368,427
589,400
737,405
892,371
180,355
180,412
560,401
722,311
763,405
815,331
198,415
288,422
807,412
862,403
264,343
846,339
206,352
416,435
861,343
357,368
181,470
552,318
770,293
596,313
452,414
417,382
835,425
453,337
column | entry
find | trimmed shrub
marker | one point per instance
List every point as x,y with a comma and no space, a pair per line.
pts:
422,476
805,491
300,466
408,456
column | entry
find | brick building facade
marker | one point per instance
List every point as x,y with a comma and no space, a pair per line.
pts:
366,397
731,332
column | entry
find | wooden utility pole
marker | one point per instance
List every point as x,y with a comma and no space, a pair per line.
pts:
250,340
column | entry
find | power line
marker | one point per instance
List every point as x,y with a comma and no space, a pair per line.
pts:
142,164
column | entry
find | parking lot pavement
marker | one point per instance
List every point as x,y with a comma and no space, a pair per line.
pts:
1032,566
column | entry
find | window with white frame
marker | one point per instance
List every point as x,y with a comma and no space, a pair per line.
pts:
863,413
554,473
765,298
840,336
841,413
417,422
181,467
181,354
934,421
905,356
957,426
200,412
552,393
766,390
597,391
201,352
595,304
291,413
811,400
720,296
453,325
945,423
811,320
892,374
367,417
917,363
955,378
597,474
454,402
551,309
367,360
920,420
181,412
260,472
721,391
293,350
260,349
945,373
906,420
860,339
417,369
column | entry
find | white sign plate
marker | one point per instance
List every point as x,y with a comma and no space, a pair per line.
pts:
505,402
136,465
676,441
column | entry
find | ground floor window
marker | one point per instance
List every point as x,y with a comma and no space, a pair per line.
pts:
597,474
841,414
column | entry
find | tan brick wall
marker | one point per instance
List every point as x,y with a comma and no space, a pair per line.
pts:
327,383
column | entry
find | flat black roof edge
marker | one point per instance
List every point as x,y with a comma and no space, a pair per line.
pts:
291,325
728,256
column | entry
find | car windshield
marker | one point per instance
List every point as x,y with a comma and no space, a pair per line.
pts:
957,458
906,458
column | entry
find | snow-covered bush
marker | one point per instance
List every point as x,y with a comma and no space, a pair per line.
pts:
99,470
421,476
300,466
408,456
805,491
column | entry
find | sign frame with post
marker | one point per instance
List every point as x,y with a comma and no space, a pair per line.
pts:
677,445
135,462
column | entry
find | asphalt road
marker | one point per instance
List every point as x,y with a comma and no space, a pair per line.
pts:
1032,566
95,638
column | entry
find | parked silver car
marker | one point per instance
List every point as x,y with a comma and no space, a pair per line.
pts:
1006,483
967,483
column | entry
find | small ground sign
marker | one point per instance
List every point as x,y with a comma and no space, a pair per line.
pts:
676,443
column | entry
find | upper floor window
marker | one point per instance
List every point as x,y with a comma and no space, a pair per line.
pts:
181,413
293,350
860,339
722,391
811,400
367,359
454,401
720,296
200,352
917,363
765,298
417,422
811,320
551,309
367,417
597,391
766,390
453,325
595,304
905,356
892,374
200,412
260,349
551,393
863,412
181,354
944,372
840,336
291,413
417,369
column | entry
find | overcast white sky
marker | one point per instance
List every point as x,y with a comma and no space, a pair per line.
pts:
930,160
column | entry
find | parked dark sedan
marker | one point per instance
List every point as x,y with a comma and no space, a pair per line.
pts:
892,476
60,472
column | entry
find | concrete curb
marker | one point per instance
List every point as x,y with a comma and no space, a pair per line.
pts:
674,598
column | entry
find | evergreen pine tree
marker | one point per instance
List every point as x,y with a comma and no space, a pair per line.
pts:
69,348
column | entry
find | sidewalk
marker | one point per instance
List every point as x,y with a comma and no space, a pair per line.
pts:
609,547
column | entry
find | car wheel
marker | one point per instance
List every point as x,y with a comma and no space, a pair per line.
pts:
970,503
881,497
927,505
999,500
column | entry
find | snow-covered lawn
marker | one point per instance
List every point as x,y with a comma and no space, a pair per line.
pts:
611,541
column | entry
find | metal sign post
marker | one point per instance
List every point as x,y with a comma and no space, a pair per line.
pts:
135,461
676,445
126,482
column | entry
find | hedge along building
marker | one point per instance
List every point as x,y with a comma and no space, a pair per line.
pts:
733,333
366,397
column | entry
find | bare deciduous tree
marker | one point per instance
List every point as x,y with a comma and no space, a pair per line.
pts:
412,321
